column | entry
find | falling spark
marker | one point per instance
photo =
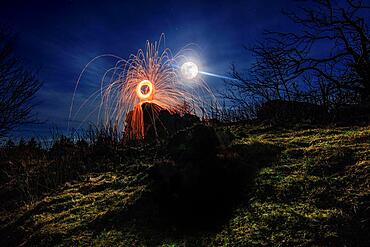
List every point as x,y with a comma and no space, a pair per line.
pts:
151,76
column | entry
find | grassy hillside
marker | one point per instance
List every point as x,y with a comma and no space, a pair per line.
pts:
302,187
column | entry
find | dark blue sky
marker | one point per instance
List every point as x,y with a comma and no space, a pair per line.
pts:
58,38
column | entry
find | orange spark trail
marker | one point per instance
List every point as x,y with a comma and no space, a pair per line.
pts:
150,76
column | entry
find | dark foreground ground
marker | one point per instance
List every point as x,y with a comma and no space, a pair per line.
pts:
268,187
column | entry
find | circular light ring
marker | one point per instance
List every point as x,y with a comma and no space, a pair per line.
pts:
142,95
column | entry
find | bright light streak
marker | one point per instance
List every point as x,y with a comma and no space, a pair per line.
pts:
216,75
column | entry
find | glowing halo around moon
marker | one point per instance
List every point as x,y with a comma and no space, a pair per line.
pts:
189,70
144,89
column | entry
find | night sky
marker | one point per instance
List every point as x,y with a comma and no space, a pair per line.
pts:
58,38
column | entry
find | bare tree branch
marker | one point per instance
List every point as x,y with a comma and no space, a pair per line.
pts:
17,88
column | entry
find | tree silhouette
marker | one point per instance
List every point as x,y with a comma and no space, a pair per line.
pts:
17,87
343,30
325,61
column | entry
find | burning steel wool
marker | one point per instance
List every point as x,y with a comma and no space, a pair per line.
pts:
153,75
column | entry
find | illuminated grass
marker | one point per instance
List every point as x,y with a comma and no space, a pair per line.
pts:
316,193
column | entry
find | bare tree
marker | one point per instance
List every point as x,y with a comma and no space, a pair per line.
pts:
272,76
17,88
326,62
340,32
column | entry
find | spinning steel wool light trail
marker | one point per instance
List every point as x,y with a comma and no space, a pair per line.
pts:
153,75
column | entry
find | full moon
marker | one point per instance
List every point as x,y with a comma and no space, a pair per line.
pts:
189,70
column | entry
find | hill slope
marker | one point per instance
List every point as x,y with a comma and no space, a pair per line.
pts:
314,191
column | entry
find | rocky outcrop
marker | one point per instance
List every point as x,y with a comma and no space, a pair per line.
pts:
160,123
280,112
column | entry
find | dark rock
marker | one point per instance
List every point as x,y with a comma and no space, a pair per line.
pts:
162,124
352,113
159,123
197,143
280,112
